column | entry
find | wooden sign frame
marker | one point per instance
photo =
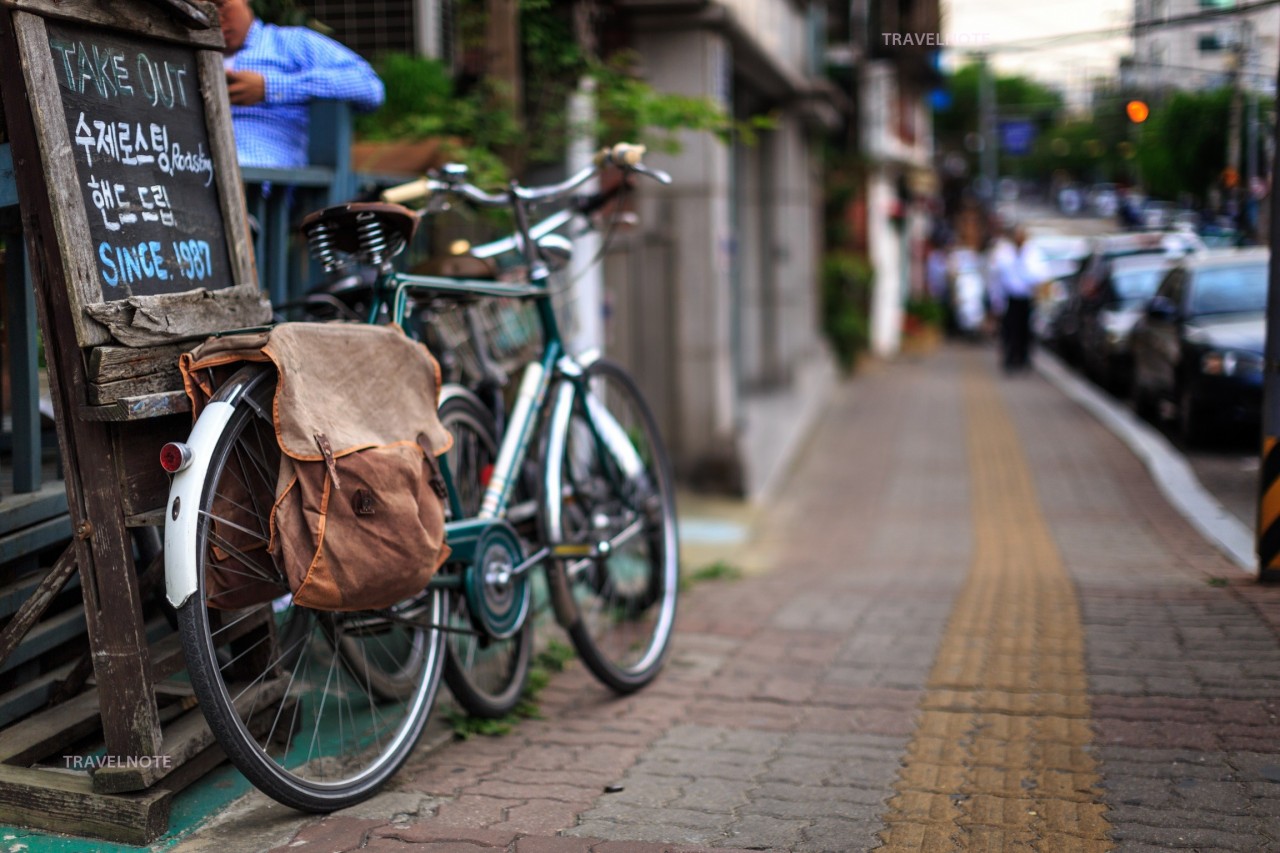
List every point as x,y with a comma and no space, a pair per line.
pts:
137,320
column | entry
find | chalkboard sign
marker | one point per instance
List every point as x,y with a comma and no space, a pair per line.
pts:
136,121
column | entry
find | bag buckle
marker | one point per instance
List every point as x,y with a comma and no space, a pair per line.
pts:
327,450
437,479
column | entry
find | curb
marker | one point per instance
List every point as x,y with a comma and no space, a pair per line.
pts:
1168,467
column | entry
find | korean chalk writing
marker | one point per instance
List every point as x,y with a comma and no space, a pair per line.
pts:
136,121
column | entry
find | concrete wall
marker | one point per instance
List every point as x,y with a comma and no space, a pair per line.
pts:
740,371
695,214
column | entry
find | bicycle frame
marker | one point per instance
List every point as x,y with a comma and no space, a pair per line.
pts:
392,290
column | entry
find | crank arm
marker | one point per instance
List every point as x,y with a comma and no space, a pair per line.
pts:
522,569
599,551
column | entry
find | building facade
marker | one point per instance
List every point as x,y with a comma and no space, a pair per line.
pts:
711,301
1203,55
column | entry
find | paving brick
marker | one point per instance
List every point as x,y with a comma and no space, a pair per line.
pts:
766,832
474,811
429,833
332,834
838,835
554,844
660,833
612,810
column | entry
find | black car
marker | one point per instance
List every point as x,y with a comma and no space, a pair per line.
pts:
1199,345
1108,318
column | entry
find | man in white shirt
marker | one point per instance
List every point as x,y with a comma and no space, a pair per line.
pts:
1016,270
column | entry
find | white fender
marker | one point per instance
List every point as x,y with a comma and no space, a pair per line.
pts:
182,510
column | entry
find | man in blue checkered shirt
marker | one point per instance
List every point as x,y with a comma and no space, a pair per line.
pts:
273,73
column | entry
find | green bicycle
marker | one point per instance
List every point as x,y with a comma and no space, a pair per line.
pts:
319,709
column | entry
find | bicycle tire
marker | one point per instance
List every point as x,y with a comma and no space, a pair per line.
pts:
314,736
619,606
487,676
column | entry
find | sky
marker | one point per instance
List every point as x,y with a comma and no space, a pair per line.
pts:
1068,66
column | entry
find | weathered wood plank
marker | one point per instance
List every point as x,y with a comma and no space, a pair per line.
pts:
67,803
184,740
149,518
47,189
14,593
138,408
103,393
129,15
222,142
18,511
28,540
111,363
166,657
44,734
48,635
32,696
61,185
144,485
35,606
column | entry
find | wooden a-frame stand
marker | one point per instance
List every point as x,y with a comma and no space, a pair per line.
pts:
131,260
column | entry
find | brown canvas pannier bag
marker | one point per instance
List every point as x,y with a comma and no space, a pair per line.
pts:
357,520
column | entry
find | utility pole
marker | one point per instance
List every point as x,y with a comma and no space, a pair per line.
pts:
1268,543
1234,122
987,126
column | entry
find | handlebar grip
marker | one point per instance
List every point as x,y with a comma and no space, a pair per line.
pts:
412,191
624,155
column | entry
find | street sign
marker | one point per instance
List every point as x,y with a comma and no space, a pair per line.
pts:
1016,136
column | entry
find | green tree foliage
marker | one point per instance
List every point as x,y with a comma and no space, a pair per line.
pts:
1074,147
1183,145
479,122
1015,96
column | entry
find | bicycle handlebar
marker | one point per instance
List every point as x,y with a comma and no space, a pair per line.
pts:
624,155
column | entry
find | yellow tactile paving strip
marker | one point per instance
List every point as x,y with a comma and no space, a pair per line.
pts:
1000,760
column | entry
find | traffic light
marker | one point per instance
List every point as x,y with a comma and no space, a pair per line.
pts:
1137,111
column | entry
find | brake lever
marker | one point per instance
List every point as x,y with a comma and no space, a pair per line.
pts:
649,172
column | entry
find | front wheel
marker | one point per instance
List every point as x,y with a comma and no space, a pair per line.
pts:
312,728
610,512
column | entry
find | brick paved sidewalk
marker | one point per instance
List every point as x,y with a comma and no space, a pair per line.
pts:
980,627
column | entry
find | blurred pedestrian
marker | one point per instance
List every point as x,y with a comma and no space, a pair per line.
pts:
273,73
1017,270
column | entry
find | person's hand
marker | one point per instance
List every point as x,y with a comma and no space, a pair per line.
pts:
246,88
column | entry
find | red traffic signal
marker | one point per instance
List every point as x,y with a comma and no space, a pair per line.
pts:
1137,111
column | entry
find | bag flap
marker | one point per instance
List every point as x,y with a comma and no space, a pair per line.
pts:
355,384
200,378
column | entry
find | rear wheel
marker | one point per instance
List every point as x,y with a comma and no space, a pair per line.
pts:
306,725
611,497
485,674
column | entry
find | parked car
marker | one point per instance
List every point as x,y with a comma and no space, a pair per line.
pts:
1107,320
1105,200
1062,255
1158,214
1063,333
1198,348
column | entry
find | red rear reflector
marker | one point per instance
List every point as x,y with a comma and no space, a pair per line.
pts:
486,474
175,456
